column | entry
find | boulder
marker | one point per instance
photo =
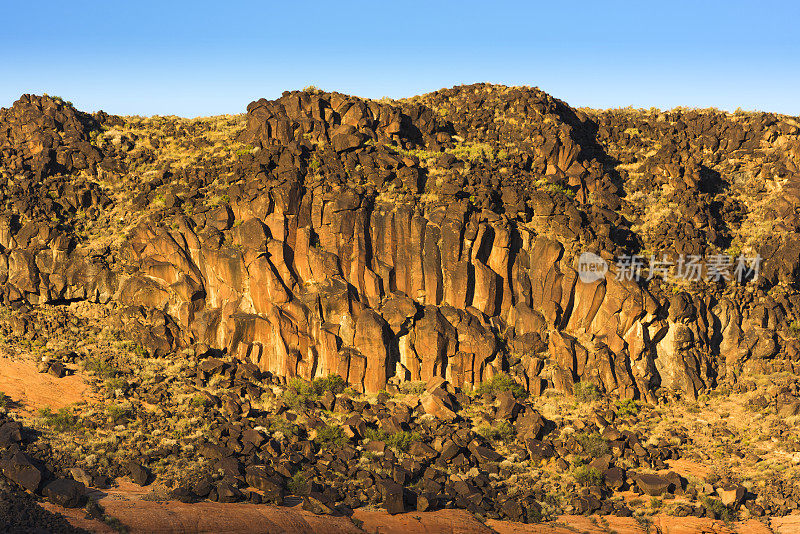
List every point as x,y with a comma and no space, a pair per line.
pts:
65,492
19,469
653,485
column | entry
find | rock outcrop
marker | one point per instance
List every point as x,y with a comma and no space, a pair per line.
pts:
430,238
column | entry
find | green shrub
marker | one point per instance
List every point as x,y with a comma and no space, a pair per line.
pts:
587,476
627,408
586,392
400,441
502,431
60,421
119,413
4,400
593,444
412,387
498,383
102,367
280,424
199,401
298,484
333,383
718,509
116,383
329,436
794,329
299,391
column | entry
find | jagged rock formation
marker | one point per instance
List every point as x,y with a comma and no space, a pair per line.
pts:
435,237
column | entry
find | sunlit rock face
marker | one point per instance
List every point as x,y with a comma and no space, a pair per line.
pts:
408,240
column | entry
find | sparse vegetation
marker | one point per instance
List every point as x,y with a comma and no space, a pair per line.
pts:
587,476
61,421
397,440
586,392
794,329
298,484
329,436
719,510
498,383
103,368
592,443
501,431
626,408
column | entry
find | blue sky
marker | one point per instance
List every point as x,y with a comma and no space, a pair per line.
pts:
205,58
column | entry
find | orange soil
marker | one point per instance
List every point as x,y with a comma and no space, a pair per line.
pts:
30,390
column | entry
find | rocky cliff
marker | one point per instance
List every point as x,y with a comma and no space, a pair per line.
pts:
438,236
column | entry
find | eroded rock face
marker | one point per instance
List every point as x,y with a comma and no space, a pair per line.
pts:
343,121
414,240
47,135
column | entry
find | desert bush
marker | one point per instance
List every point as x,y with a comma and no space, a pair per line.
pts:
586,392
299,391
60,421
199,401
592,443
333,383
280,424
102,367
502,431
400,441
413,387
298,484
587,476
498,383
329,436
794,329
118,412
627,408
719,510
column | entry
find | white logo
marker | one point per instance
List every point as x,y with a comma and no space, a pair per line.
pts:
591,267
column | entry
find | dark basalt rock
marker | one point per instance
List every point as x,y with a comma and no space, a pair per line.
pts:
65,492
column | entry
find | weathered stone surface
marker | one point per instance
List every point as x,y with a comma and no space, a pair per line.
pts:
19,469
65,492
653,485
